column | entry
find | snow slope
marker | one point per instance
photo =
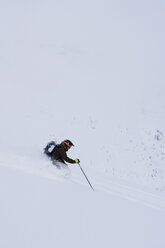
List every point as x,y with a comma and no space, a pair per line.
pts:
92,72
39,212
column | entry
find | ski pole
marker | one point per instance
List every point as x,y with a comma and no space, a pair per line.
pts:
86,177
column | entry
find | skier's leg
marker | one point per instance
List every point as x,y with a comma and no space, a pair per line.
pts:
56,163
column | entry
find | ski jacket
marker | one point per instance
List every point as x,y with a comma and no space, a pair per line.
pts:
59,154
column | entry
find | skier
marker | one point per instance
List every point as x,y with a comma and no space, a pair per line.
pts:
58,153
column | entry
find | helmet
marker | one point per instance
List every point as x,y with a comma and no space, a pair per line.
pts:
68,143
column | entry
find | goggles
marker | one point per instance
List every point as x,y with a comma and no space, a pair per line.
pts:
67,144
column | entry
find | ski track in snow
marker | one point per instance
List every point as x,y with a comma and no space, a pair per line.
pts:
100,183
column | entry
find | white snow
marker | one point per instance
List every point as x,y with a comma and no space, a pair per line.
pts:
92,72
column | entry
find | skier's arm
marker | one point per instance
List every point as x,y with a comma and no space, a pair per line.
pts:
66,158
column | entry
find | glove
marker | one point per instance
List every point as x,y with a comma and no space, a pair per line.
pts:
77,161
